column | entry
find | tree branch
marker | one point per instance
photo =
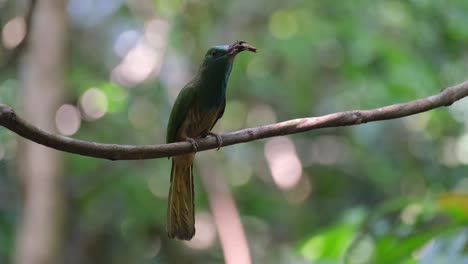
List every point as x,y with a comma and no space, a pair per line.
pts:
11,121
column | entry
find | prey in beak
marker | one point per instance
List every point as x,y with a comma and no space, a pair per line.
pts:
240,46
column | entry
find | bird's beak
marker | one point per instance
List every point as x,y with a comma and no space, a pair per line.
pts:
239,46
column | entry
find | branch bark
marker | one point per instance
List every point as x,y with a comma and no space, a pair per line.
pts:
11,121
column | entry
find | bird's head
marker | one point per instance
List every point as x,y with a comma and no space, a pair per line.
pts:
226,53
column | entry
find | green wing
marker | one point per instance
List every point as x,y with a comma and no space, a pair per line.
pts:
180,109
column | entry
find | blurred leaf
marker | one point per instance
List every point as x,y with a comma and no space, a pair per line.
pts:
331,243
456,204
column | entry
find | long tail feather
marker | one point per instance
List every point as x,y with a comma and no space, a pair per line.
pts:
180,211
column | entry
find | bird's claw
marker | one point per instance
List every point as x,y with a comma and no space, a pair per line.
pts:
218,139
194,143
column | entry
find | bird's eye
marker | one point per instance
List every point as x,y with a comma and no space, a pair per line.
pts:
214,53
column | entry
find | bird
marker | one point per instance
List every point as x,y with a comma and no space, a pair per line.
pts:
196,110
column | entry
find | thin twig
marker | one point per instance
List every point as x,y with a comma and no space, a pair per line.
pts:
11,121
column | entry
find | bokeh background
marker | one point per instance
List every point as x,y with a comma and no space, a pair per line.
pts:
109,70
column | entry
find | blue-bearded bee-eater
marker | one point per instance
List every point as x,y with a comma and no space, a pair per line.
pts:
197,108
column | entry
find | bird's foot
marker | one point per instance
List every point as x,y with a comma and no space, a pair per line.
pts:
218,139
194,143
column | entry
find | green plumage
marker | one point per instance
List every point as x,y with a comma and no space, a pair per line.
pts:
179,112
196,110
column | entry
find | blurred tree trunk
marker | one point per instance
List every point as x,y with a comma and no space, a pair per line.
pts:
39,168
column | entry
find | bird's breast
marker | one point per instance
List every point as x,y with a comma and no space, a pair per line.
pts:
212,87
197,123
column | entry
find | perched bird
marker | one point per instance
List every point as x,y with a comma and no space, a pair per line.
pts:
197,108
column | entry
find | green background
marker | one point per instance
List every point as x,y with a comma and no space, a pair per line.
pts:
386,192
